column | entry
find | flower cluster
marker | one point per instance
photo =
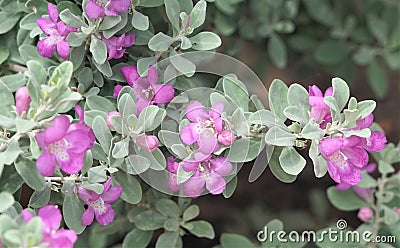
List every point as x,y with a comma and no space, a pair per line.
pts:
99,204
64,143
116,45
96,9
51,218
57,32
346,156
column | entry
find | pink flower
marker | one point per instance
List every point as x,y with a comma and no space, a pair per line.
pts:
51,219
64,143
362,192
148,142
226,137
146,89
22,100
205,127
98,204
319,110
365,214
117,89
116,45
99,8
377,141
172,175
397,210
345,158
57,33
108,117
208,171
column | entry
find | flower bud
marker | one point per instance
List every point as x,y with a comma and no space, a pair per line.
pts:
22,100
108,118
365,214
147,142
226,137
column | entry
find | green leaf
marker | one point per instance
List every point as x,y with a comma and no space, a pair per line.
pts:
185,43
364,133
377,79
191,212
320,11
100,103
298,96
132,191
7,200
28,171
202,229
173,9
126,106
341,93
109,22
121,149
33,231
137,238
229,240
156,158
151,117
312,131
97,174
151,3
85,76
198,14
277,51
297,114
10,181
102,133
237,91
7,101
277,95
291,161
120,25
263,117
13,81
11,153
205,41
40,198
345,200
364,55
245,149
331,52
319,163
149,220
71,19
183,65
279,137
98,49
140,21
24,126
384,167
168,208
160,42
390,216
61,75
8,21
378,28
135,164
167,239
72,213
4,54
276,168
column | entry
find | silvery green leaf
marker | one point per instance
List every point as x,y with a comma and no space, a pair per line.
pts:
182,175
143,65
236,90
72,213
198,14
102,133
185,42
298,96
91,114
183,65
24,126
180,150
28,171
341,93
320,164
104,68
384,167
40,198
132,191
11,153
135,164
279,137
76,39
85,76
143,37
160,42
168,208
121,149
352,103
151,117
149,220
291,161
277,51
364,133
366,107
169,138
295,113
156,158
205,41
332,103
7,200
71,19
345,200
137,238
109,22
263,117
112,31
97,174
239,123
191,212
350,117
202,229
98,49
96,187
126,106
140,21
312,131
277,95
100,103
245,149
14,81
173,9
230,187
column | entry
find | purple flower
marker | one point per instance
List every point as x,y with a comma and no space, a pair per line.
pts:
108,118
99,8
172,175
98,204
362,192
57,33
146,89
205,128
148,142
22,100
117,89
319,110
64,143
116,45
51,219
208,171
377,141
345,158
365,214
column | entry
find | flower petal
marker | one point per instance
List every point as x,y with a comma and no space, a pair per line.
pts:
189,166
365,123
334,172
376,142
152,74
164,93
46,47
46,164
356,156
216,110
329,146
207,142
351,176
51,217
148,142
26,215
195,111
173,182
112,194
119,5
80,113
117,89
63,49
58,129
129,40
130,74
86,195
107,217
172,165
329,92
189,134
215,183
194,186
48,27
53,12
221,165
71,165
88,216
93,11
78,140
314,91
63,239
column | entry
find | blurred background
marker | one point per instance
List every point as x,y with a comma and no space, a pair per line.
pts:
307,42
